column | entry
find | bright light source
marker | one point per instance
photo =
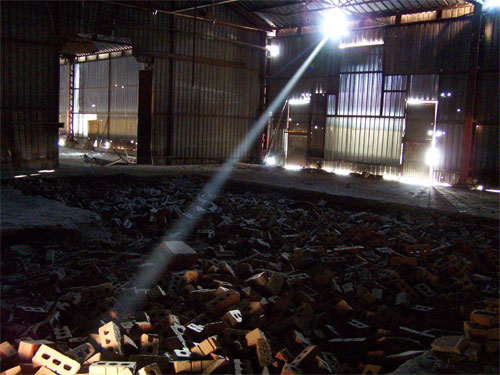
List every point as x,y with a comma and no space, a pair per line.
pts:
439,133
270,160
361,44
34,174
61,142
107,144
47,171
292,167
93,105
432,156
430,132
459,110
334,24
20,176
342,172
329,170
274,50
123,87
449,94
419,101
480,187
443,94
305,98
491,3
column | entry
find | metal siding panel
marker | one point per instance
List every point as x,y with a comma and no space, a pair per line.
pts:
436,47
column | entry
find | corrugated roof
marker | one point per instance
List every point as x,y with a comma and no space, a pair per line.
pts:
294,13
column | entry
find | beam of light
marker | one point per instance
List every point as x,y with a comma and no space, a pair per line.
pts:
361,44
420,101
21,176
47,171
148,277
492,191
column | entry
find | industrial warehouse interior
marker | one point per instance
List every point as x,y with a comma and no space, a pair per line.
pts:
249,187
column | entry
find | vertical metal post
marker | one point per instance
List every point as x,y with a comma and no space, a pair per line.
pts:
470,98
70,135
108,120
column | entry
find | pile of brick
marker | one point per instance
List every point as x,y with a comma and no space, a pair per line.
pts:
267,284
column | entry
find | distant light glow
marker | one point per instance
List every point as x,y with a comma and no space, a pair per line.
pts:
61,142
293,167
449,94
432,156
304,99
93,105
34,174
342,172
274,50
480,187
443,94
363,43
270,160
491,3
107,144
420,101
459,110
493,191
328,170
21,176
334,24
430,132
47,171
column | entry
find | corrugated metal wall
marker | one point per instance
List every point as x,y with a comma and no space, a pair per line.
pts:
29,100
196,129
91,97
426,48
369,86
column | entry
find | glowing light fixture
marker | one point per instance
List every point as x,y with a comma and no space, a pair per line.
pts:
480,187
432,156
274,50
107,144
20,176
334,24
304,99
47,171
361,44
61,142
270,160
419,101
293,167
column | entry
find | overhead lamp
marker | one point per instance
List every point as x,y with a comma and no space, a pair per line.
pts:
334,24
273,49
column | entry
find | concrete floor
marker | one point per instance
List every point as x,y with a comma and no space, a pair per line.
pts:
445,199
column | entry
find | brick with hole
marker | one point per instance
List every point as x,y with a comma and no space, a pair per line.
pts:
110,337
28,347
305,357
82,352
55,361
150,344
152,369
112,368
233,318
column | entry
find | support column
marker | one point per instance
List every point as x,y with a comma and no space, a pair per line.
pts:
70,135
470,98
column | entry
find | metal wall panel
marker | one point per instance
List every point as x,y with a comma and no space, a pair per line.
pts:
424,87
449,147
360,94
487,102
452,91
435,47
489,53
486,152
364,140
30,74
